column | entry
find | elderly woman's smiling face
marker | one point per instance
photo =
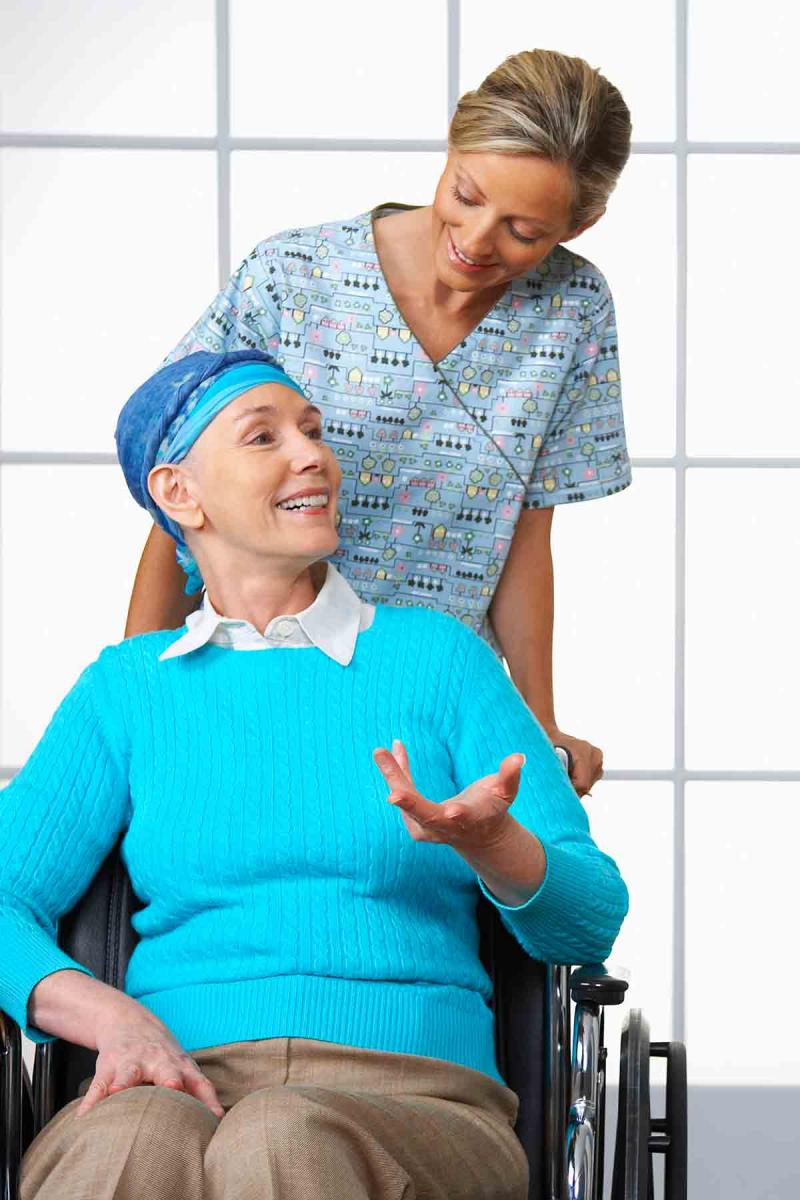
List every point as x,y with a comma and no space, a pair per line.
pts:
262,481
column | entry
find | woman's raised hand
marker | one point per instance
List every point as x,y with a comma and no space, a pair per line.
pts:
474,819
135,1048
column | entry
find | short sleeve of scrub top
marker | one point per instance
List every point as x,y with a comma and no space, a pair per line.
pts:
438,458
583,454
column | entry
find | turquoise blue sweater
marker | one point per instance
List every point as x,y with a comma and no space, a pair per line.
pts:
283,895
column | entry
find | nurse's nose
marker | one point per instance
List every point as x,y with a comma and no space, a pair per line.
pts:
477,239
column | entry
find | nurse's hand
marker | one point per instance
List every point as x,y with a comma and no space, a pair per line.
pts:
587,760
474,819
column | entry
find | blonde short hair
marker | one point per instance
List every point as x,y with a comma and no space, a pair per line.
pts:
544,103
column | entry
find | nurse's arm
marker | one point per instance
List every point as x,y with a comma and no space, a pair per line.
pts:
158,600
521,613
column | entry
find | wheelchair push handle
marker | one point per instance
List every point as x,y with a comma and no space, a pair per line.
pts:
566,758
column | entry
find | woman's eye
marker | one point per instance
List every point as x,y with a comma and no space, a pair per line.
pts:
462,199
520,238
473,204
256,441
315,433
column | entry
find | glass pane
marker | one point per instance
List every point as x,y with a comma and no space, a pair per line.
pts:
107,257
613,561
352,69
72,537
109,68
641,211
742,71
742,649
633,823
742,386
606,35
320,186
741,873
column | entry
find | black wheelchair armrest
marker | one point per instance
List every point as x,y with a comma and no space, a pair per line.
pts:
593,984
16,1106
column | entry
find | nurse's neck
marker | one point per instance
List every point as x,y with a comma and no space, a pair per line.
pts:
258,596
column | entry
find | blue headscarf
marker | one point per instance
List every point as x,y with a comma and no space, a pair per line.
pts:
165,416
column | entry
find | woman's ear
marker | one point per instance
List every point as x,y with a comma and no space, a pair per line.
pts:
169,486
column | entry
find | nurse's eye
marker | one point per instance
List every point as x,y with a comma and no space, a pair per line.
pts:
256,441
462,199
527,240
315,433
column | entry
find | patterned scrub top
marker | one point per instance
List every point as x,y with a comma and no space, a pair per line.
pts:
437,458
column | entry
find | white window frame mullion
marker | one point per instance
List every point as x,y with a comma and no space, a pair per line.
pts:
679,786
453,56
223,140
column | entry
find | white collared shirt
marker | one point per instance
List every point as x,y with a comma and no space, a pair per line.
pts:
332,623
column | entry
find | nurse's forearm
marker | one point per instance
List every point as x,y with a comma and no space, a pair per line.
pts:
530,653
522,618
158,600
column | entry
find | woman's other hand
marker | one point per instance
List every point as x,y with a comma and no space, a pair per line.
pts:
135,1048
587,760
472,820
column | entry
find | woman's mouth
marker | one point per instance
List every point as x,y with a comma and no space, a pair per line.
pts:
313,505
460,260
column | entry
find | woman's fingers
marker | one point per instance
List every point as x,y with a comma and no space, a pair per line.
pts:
390,767
402,791
198,1085
401,754
97,1091
167,1077
509,773
111,1079
392,771
127,1075
474,813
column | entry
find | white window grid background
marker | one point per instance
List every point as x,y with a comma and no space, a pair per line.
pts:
224,144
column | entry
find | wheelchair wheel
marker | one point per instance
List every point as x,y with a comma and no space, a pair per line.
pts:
669,1135
632,1178
28,1129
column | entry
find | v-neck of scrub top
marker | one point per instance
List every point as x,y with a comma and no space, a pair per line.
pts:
437,363
437,461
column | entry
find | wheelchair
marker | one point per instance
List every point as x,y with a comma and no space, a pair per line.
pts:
548,1024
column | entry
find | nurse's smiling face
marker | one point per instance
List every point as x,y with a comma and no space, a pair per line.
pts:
497,216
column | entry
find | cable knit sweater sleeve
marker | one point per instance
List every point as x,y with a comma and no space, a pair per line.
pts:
575,915
59,817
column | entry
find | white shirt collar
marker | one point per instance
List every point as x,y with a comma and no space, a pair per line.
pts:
332,622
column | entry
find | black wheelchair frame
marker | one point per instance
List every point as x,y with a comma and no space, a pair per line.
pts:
548,1041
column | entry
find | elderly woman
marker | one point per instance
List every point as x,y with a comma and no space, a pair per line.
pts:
465,364
305,1013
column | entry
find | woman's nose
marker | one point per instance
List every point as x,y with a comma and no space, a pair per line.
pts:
307,453
477,239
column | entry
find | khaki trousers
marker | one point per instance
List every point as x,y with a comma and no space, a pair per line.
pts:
304,1120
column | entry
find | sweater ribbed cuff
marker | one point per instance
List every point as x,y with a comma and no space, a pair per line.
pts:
539,923
28,956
